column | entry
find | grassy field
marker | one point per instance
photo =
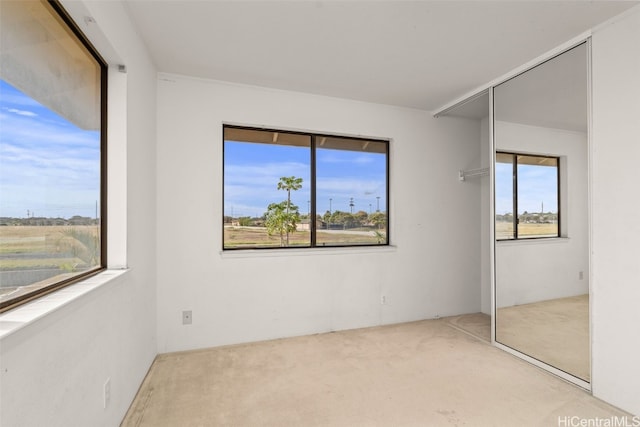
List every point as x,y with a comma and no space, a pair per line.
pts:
237,237
32,257
63,247
30,247
35,247
504,230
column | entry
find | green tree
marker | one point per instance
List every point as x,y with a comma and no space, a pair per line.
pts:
379,219
360,218
350,220
282,218
339,217
244,221
289,184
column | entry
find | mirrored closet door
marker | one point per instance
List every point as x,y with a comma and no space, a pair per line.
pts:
541,213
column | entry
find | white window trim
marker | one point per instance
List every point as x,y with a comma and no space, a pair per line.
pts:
306,251
26,314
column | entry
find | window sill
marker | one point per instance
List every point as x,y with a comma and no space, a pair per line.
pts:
29,313
349,250
538,241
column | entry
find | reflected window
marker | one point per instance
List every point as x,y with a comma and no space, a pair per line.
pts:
527,196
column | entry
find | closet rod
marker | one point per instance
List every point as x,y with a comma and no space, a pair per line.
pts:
472,173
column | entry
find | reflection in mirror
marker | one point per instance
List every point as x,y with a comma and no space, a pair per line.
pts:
523,185
541,223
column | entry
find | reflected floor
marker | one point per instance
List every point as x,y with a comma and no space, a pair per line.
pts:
555,332
476,324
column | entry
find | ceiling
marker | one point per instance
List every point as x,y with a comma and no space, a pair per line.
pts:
418,54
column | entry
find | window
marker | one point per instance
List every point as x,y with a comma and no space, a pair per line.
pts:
52,153
529,186
290,189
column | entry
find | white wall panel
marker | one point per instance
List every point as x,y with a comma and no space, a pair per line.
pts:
432,268
616,206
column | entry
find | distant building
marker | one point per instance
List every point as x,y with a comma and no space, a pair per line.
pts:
303,225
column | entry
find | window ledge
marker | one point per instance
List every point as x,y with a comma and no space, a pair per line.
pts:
348,250
538,241
29,313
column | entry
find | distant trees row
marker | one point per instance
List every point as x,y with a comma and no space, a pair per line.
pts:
535,217
74,220
358,219
346,219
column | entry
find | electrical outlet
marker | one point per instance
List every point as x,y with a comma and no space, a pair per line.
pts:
186,317
383,300
106,392
581,275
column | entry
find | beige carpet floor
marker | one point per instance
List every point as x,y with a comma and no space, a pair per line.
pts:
555,332
476,324
424,373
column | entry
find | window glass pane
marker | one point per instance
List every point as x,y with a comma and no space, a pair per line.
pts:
267,181
504,196
351,192
50,152
537,196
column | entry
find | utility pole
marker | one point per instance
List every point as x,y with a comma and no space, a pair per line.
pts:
351,204
378,205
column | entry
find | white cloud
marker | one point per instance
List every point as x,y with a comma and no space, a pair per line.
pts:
351,186
342,158
22,112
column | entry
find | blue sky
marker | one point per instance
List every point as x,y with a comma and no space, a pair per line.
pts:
536,185
252,172
47,165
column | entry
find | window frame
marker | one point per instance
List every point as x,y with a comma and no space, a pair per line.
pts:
314,136
514,175
71,25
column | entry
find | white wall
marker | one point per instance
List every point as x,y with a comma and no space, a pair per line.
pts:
615,206
433,268
53,370
538,270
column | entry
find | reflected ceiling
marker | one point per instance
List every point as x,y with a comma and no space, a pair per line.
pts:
555,94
